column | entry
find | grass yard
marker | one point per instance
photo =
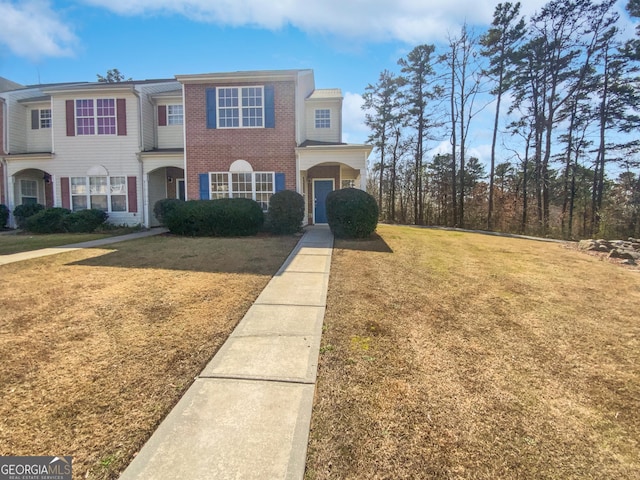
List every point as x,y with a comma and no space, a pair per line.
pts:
23,242
465,356
97,345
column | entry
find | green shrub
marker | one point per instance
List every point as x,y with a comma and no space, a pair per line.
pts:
225,217
351,213
22,212
85,221
50,220
162,208
4,215
286,212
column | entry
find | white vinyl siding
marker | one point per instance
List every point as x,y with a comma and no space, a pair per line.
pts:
322,121
39,139
171,135
117,154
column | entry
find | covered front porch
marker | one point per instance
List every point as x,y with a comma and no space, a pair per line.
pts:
163,177
324,168
29,180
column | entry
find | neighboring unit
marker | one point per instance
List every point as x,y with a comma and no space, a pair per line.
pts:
121,147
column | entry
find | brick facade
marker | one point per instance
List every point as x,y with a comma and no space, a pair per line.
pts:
214,150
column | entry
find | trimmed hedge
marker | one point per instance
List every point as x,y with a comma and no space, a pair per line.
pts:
224,217
22,212
4,215
62,220
85,221
286,212
163,207
351,213
50,220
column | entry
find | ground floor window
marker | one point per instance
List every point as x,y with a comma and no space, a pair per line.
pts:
102,193
28,191
258,186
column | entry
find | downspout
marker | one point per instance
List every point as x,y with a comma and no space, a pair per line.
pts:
143,189
184,144
137,93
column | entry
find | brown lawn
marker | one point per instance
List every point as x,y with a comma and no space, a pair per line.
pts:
466,356
97,345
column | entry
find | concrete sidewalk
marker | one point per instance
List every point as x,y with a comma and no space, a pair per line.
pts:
44,252
247,415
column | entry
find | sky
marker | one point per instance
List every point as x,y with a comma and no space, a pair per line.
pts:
347,43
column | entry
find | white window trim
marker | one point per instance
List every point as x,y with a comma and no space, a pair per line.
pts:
41,118
24,195
239,107
172,117
322,119
254,193
87,195
95,116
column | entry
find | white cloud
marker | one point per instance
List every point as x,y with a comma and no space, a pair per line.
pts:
33,30
353,127
411,21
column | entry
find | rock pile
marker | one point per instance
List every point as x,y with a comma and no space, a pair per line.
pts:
628,250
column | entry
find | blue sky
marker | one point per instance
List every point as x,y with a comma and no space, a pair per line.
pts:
346,42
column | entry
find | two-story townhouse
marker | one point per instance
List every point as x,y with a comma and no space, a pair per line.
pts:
121,147
5,86
80,146
251,134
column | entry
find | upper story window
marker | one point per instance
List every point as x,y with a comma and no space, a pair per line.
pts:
240,107
323,118
175,115
45,118
95,116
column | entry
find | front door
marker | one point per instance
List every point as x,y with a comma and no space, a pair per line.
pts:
180,193
321,189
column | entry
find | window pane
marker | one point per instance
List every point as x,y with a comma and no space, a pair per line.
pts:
29,188
323,118
106,116
118,203
118,185
99,202
45,118
78,202
174,114
78,185
252,112
97,185
84,117
219,185
241,185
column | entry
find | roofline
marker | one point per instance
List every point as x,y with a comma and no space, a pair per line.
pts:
129,85
247,76
343,146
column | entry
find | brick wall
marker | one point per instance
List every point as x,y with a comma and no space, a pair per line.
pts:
214,150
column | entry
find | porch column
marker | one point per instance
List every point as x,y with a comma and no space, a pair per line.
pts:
363,179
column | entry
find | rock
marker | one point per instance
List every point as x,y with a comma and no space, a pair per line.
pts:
629,261
621,253
587,245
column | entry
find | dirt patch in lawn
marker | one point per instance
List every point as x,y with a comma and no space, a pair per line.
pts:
97,345
454,355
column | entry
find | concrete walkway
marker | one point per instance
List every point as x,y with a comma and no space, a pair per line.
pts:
247,415
44,252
